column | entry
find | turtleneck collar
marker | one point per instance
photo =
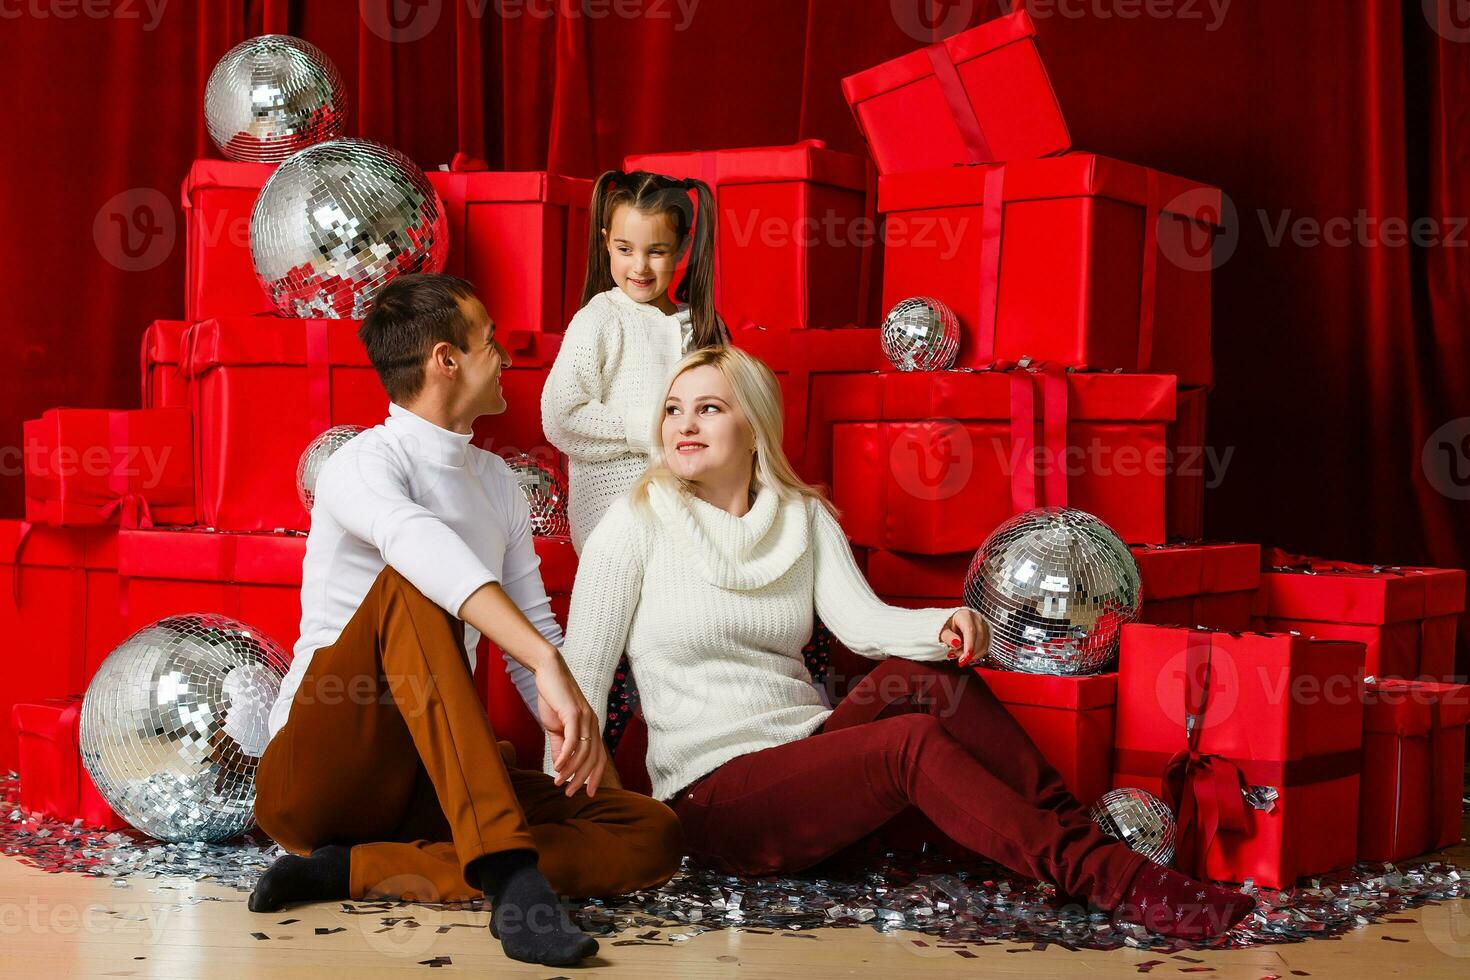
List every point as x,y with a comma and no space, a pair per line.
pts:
425,440
732,552
681,311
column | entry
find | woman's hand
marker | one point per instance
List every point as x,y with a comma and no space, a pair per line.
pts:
578,753
967,635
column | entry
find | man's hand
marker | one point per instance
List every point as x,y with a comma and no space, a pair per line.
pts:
968,636
578,754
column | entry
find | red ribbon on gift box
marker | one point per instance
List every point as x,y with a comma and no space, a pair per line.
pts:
1279,560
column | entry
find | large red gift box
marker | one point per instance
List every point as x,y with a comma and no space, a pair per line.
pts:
1076,260
1413,768
58,613
219,196
1209,585
164,384
980,96
917,581
262,389
931,463
53,780
796,235
518,429
1204,715
1071,720
1405,616
254,578
86,466
521,238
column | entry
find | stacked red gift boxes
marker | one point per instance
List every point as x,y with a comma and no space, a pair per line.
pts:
1082,287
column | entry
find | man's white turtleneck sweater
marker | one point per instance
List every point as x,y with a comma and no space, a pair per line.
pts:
713,611
446,515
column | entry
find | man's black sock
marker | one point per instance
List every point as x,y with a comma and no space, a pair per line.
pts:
526,915
323,877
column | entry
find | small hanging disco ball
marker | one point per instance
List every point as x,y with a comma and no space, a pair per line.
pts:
271,96
337,221
1056,586
546,493
315,456
921,334
174,724
1140,820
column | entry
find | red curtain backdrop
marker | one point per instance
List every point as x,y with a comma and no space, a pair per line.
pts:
1342,397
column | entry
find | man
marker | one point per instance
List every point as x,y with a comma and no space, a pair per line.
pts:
383,775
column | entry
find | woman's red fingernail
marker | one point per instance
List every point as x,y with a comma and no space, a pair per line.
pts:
954,642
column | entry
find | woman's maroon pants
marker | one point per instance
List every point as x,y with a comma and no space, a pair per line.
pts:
930,736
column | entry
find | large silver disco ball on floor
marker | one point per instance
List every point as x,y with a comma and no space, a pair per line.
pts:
1139,819
546,493
271,96
175,722
315,456
1056,586
920,334
337,221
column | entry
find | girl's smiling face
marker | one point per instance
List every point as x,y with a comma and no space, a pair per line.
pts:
644,250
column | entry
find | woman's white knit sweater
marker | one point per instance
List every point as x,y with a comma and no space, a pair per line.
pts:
713,611
601,397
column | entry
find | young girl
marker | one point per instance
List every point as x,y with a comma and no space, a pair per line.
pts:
708,575
601,395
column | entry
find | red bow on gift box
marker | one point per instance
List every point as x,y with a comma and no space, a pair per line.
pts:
1279,560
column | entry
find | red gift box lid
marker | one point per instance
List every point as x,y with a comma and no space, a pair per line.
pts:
1051,691
58,547
212,556
240,341
163,341
1068,175
1171,571
512,186
206,174
1403,707
43,719
558,563
1358,594
808,160
847,349
918,395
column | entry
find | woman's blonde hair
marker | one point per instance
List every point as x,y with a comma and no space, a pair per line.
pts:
759,396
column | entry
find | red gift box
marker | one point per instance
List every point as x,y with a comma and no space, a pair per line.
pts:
917,581
164,384
219,196
978,97
798,357
253,578
1070,719
1203,716
1078,260
1209,585
1413,768
53,780
796,234
1405,616
88,466
521,238
262,389
58,613
509,716
931,463
518,429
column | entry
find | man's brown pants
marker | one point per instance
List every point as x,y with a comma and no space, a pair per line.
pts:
388,749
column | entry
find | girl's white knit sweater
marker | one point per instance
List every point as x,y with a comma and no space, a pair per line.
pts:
601,397
713,611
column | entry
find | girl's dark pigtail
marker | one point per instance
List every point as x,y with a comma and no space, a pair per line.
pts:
599,266
697,288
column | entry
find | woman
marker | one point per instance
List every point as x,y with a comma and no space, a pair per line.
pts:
708,574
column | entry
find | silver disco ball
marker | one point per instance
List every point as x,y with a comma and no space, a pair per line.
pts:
546,493
1056,586
337,221
271,96
920,334
315,456
175,721
1139,819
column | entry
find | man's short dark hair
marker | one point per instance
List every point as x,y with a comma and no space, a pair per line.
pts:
408,317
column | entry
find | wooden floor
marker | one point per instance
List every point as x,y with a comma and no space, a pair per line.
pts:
54,925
